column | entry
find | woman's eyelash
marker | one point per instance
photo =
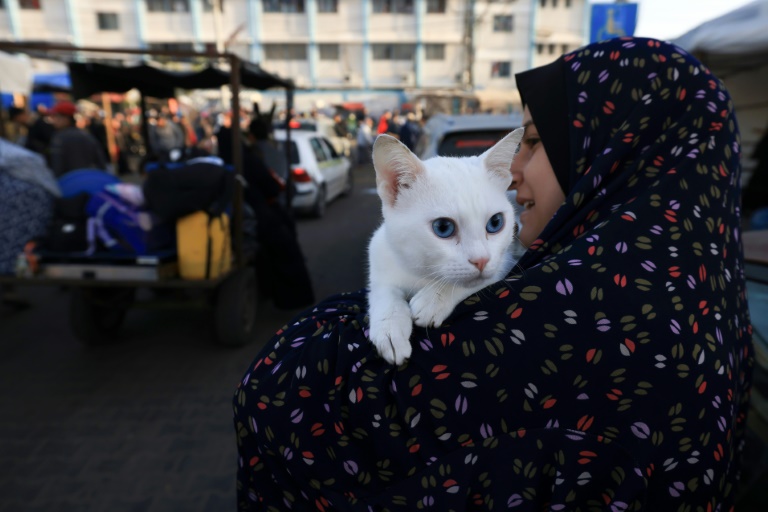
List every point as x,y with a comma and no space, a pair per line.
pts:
532,141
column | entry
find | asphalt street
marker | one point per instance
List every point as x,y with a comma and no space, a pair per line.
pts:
145,423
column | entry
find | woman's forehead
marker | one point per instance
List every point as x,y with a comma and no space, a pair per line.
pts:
526,114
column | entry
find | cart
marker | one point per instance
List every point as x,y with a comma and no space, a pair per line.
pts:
101,292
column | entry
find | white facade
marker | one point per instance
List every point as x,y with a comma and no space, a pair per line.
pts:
337,46
561,26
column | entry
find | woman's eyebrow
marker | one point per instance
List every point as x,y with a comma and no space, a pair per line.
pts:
528,123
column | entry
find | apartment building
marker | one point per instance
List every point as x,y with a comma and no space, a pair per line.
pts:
335,50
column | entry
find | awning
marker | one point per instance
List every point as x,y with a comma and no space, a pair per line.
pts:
90,78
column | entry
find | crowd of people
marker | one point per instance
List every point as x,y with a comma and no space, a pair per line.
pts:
172,135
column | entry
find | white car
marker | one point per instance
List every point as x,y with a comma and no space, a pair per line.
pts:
318,172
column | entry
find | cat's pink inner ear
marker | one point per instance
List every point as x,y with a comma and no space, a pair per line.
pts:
387,185
396,168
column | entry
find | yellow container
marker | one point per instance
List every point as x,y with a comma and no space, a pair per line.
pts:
203,245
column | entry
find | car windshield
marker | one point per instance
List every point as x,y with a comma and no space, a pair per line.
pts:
470,143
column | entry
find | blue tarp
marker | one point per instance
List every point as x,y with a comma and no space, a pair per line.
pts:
52,80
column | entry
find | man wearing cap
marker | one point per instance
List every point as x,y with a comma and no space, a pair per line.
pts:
71,147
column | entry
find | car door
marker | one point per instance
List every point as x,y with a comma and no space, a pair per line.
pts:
337,168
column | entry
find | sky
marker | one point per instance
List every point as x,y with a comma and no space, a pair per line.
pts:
667,19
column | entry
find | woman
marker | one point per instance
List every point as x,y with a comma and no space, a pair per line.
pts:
612,371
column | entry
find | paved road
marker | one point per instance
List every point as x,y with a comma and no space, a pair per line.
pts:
144,424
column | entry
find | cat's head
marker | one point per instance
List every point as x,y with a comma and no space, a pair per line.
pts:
448,216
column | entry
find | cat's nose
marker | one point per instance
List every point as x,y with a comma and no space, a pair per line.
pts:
480,263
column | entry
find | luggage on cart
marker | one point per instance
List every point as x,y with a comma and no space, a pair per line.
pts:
123,227
203,245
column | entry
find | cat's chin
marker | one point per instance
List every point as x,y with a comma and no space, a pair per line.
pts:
480,281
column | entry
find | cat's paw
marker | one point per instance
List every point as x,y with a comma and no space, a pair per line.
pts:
391,338
428,310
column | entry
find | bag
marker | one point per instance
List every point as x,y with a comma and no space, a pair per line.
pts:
203,245
65,236
122,227
174,193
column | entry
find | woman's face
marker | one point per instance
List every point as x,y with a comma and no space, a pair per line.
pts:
538,191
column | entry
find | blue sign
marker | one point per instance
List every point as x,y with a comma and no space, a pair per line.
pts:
612,20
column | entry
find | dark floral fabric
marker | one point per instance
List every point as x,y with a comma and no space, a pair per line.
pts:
610,371
26,208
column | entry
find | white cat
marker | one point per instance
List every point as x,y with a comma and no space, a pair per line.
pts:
447,233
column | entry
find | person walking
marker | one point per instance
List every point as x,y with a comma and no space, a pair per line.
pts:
71,147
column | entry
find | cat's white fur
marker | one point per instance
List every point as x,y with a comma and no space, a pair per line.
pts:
416,276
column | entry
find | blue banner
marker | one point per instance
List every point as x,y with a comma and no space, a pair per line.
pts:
612,20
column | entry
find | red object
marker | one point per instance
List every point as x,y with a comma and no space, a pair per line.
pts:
300,175
64,108
383,125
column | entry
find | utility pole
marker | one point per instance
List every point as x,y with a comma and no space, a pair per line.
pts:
468,40
217,26
218,34
467,79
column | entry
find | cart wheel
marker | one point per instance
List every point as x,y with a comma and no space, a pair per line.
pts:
236,308
95,314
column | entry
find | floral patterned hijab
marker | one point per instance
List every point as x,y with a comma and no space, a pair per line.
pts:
611,371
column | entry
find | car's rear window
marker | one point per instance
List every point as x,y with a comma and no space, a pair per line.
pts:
294,151
469,143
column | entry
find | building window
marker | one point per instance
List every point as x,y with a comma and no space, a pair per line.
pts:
393,51
285,51
434,51
107,21
393,6
501,69
208,5
551,48
435,6
502,23
290,6
327,5
328,51
30,4
543,3
565,48
168,5
554,3
567,3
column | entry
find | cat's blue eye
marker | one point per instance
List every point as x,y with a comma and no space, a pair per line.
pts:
495,223
444,228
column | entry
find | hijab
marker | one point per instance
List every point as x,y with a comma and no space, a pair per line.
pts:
542,89
610,370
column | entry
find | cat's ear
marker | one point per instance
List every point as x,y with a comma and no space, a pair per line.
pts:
498,159
396,167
